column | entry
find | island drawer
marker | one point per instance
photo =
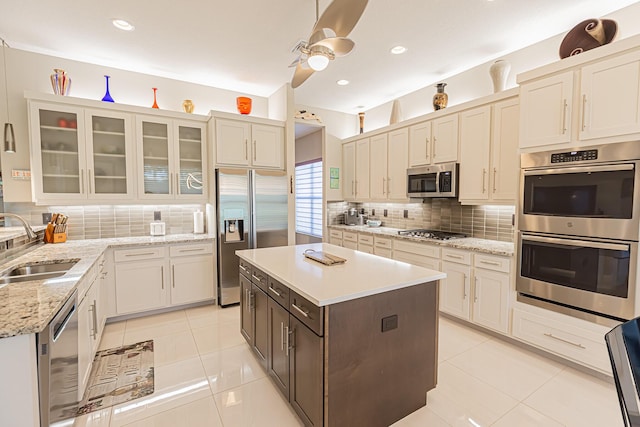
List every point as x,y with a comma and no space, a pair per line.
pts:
278,292
307,312
259,278
138,253
245,268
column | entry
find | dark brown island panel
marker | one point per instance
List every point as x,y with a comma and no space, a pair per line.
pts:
367,361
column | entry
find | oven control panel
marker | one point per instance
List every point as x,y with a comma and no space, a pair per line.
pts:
574,156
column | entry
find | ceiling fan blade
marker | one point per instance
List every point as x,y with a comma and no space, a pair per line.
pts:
296,61
339,45
300,75
341,16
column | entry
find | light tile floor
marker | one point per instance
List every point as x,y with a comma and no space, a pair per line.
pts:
207,376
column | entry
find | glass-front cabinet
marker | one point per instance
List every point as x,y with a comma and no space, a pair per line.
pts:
80,154
171,156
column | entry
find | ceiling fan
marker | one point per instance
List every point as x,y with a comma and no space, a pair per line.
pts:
328,38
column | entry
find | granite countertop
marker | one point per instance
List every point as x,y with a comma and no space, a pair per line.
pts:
361,275
494,247
7,233
27,307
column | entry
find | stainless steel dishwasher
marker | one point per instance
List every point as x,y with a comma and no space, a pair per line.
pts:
58,365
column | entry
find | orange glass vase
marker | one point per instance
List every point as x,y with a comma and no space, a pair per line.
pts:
244,104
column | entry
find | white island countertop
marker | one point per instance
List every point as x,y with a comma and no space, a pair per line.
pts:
362,275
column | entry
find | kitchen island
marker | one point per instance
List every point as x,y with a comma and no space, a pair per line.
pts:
347,344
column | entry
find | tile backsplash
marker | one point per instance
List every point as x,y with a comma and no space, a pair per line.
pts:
485,222
104,221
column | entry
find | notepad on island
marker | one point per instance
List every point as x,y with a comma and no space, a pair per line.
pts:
323,257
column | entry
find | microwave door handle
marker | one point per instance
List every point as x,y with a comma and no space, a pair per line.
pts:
583,169
438,182
574,242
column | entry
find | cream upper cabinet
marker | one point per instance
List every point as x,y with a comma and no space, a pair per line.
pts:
489,153
445,139
171,159
349,171
378,166
362,186
397,163
389,160
247,144
79,154
546,110
420,144
475,146
505,160
610,97
355,166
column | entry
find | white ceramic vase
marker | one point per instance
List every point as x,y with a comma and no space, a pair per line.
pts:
396,113
499,72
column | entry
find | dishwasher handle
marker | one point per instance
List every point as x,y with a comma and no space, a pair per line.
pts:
61,320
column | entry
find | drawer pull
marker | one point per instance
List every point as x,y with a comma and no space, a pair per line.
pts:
275,291
141,254
302,311
257,278
243,267
454,256
490,263
192,250
565,341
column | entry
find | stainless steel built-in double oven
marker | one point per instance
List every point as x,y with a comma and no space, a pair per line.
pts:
579,225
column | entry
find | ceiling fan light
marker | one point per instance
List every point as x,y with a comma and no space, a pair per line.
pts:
318,61
121,24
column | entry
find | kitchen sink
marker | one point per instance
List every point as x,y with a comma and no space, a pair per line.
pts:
36,271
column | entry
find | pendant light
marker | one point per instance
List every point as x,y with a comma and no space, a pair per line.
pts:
9,135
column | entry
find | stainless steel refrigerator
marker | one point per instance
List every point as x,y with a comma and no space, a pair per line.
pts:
251,213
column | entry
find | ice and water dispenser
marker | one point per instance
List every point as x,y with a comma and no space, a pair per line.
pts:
233,230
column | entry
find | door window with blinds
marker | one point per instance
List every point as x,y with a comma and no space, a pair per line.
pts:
309,198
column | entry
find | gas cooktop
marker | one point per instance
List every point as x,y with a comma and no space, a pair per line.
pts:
431,234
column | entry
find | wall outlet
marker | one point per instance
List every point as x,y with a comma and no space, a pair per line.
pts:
46,217
157,215
389,323
406,213
373,212
385,212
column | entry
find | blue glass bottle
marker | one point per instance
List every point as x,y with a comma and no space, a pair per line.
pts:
107,96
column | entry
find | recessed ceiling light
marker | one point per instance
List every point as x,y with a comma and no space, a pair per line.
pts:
343,82
123,25
359,107
397,50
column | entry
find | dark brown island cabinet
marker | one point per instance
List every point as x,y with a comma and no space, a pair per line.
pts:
367,361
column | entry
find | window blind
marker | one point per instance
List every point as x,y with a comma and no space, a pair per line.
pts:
309,198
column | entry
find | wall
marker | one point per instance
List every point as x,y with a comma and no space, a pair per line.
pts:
483,222
30,71
476,83
309,147
105,221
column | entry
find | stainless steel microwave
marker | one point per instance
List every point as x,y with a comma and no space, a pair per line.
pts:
433,181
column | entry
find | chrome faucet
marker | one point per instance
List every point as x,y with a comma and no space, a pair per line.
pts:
27,228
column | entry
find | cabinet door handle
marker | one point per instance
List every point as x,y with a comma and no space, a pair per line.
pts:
564,117
246,298
275,291
302,311
246,149
254,150
287,332
383,184
426,147
162,275
82,180
484,176
173,276
281,336
434,146
89,180
564,341
475,290
584,108
464,290
388,185
95,320
495,172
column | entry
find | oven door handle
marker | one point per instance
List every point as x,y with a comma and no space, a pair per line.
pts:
574,242
583,169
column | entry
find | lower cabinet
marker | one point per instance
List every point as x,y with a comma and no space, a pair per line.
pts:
246,313
149,278
253,317
454,290
90,326
278,364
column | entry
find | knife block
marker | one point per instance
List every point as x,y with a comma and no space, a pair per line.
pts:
51,237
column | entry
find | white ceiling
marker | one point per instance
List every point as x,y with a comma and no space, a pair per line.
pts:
245,46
